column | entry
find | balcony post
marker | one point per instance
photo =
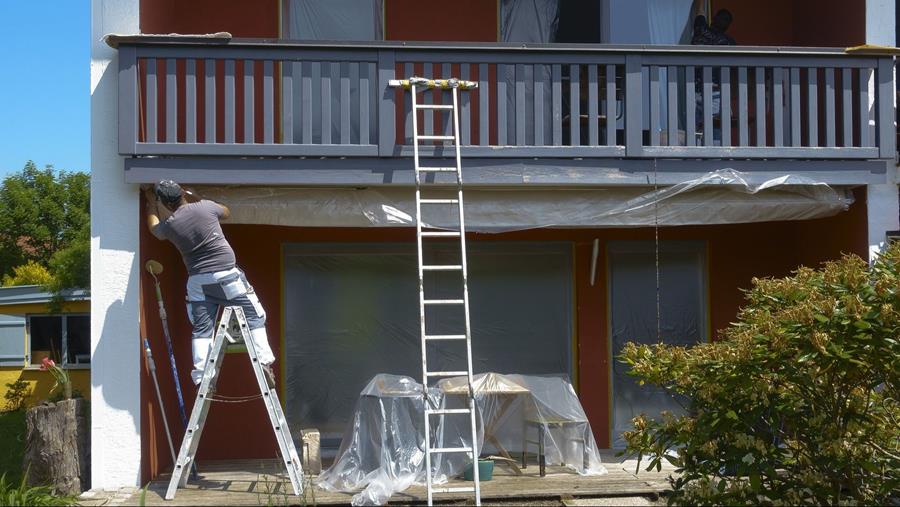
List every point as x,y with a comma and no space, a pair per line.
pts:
128,100
386,106
633,106
885,104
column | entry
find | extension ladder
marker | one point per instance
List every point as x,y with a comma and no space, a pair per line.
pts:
233,322
416,84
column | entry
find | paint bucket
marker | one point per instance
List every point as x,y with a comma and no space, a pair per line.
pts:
485,470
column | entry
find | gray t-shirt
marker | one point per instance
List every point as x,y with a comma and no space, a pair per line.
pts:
194,229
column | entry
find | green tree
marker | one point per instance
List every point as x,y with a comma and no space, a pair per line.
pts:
30,273
798,404
43,213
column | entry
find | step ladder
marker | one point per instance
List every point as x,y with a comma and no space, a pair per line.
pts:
233,329
423,173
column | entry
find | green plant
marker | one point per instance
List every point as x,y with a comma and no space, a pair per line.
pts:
797,404
12,442
60,375
16,395
31,495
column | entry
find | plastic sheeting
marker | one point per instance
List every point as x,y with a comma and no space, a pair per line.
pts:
721,197
358,20
383,449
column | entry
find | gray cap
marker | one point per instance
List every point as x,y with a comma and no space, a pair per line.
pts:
168,191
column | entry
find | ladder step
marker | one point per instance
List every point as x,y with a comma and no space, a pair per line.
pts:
440,234
449,267
444,301
434,106
445,337
456,489
442,450
446,373
436,169
442,411
439,201
435,138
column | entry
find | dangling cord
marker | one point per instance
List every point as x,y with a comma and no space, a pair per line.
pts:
656,248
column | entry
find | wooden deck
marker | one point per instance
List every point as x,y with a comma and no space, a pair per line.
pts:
260,482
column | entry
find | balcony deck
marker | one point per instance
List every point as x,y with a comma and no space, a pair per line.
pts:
227,100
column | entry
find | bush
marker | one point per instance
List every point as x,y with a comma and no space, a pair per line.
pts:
797,404
12,443
16,395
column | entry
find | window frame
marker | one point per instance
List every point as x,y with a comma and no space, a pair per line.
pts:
64,341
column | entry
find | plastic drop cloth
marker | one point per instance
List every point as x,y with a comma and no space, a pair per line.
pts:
721,197
383,449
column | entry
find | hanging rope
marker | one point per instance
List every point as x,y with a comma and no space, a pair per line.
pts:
656,250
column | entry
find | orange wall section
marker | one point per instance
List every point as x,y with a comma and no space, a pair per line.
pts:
461,20
827,23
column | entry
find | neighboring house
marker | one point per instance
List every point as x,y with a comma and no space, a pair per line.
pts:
573,154
30,330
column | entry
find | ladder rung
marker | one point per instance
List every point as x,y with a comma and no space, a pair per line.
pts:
437,169
435,138
449,267
455,489
439,201
442,411
440,234
446,373
445,337
442,450
434,106
443,301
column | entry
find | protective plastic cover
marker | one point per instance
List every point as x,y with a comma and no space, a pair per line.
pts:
721,197
383,449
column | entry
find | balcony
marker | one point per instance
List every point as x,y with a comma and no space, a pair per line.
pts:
202,98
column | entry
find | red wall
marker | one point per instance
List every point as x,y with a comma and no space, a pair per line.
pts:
463,20
829,23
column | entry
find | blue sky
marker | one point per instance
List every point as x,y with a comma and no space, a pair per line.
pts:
45,84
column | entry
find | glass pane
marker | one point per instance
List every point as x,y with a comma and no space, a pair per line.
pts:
45,336
78,339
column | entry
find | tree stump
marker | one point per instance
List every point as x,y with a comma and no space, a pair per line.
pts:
57,446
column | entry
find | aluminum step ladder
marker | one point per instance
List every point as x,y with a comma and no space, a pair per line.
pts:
424,174
233,329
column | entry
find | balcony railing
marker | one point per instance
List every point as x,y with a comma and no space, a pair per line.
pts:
268,99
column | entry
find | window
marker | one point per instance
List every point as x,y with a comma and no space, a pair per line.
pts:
66,339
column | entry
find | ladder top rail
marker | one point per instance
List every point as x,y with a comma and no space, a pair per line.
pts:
440,84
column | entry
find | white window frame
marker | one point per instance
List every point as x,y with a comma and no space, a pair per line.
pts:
64,341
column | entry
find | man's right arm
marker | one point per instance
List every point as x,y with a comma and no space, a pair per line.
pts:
151,209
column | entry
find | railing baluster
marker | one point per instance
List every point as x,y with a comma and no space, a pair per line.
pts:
428,98
249,102
865,114
759,96
408,71
484,106
690,103
847,107
386,103
171,101
310,78
743,130
611,127
190,101
268,102
209,101
349,71
707,106
778,106
672,106
725,88
465,101
634,114
830,134
326,81
812,107
520,105
152,101
574,106
229,111
538,72
655,108
593,105
556,116
502,76
289,72
446,98
796,140
364,92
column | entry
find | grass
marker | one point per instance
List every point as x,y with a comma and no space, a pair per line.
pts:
12,436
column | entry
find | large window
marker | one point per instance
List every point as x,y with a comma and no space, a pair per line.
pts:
64,338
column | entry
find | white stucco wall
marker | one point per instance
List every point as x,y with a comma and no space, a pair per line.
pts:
115,340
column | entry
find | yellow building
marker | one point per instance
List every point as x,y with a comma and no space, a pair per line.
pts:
30,331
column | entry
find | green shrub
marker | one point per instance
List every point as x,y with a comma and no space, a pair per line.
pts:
12,444
30,495
797,404
16,395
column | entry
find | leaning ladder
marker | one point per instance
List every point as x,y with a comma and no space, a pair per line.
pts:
415,84
233,322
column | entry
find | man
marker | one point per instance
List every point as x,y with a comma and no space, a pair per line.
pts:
713,34
192,225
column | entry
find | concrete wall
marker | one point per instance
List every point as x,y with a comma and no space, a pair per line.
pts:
115,350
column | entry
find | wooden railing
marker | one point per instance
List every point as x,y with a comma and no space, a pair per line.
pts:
265,99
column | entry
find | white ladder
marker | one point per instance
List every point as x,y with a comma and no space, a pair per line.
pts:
415,84
233,322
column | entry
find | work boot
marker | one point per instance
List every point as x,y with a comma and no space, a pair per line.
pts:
269,374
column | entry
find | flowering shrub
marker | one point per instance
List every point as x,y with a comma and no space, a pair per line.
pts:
60,375
797,404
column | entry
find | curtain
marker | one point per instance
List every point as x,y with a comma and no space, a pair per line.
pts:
359,20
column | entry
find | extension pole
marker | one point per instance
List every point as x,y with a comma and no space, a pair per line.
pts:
151,366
